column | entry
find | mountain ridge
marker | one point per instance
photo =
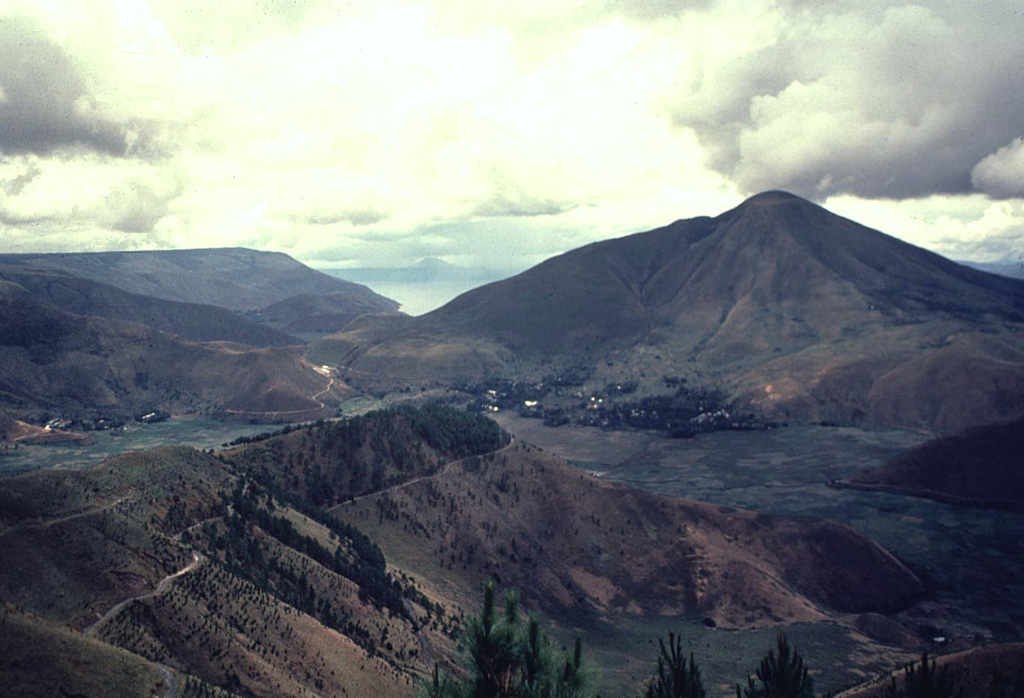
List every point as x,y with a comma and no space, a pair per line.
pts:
775,287
237,278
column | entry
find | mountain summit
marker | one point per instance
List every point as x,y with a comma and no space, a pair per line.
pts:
793,311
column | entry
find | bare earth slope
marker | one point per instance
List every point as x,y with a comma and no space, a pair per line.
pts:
581,548
796,312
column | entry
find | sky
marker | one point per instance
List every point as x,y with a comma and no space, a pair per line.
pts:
496,134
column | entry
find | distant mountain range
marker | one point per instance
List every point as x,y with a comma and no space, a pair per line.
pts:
122,333
1014,270
233,277
789,310
57,363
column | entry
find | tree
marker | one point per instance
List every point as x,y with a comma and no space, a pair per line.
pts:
504,659
676,677
780,675
923,681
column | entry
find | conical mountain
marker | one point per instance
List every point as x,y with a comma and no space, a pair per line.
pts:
794,311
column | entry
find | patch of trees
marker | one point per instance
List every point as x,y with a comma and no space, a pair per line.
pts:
328,462
506,656
356,557
456,433
686,413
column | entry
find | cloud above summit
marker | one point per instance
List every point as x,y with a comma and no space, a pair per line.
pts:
364,134
878,100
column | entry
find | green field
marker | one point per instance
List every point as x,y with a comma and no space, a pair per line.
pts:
180,431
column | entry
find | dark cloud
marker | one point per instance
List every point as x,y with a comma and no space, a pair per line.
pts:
45,103
876,100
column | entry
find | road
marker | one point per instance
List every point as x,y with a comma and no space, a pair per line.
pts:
165,672
281,413
196,559
69,517
409,483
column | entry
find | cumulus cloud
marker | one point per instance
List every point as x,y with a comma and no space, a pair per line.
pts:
869,99
373,133
1001,174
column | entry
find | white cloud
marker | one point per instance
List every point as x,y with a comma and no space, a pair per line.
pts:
874,99
969,228
1001,174
407,128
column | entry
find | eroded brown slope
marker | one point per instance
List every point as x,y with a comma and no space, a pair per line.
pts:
139,552
580,548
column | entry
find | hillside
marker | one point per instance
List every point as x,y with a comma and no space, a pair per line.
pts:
571,543
323,314
994,671
182,558
57,363
226,572
794,312
193,321
234,278
583,549
982,466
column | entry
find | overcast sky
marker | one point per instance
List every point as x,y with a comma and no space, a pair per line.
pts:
378,132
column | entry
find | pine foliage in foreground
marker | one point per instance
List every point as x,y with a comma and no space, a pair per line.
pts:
923,681
676,677
780,675
507,658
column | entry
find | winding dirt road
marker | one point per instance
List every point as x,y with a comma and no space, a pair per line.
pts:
409,483
196,560
62,519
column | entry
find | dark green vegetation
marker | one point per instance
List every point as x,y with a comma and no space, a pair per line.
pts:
979,467
781,674
681,414
505,657
330,462
677,677
791,312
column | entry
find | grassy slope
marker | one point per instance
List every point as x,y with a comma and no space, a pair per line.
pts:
41,659
68,363
981,466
